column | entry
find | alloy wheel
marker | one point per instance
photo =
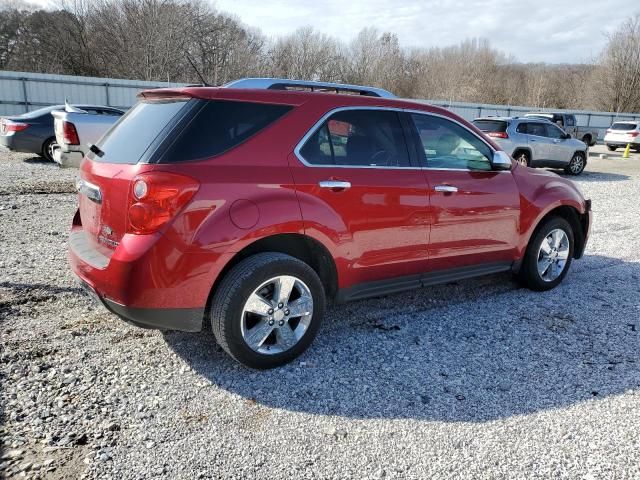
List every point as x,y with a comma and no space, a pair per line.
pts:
553,255
276,315
577,164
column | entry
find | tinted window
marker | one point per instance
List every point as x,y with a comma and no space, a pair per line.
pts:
220,126
554,132
523,128
449,145
135,132
491,125
358,138
624,126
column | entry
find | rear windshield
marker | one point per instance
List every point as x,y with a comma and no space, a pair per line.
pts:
220,126
624,126
41,111
128,140
491,125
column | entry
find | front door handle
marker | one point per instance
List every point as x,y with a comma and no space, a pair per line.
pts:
336,185
446,188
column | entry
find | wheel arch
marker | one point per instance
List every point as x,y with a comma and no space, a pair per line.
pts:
576,220
522,149
300,246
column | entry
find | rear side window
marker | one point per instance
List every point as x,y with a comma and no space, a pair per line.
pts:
358,138
220,126
624,126
491,125
130,138
571,121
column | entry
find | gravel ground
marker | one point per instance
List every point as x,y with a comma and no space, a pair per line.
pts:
476,379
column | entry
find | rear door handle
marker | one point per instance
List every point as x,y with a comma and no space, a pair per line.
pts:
446,188
335,184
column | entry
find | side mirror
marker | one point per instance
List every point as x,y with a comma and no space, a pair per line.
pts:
501,161
566,136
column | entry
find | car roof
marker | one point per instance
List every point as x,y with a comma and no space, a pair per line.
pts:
291,97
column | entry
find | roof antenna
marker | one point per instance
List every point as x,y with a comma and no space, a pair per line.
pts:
204,82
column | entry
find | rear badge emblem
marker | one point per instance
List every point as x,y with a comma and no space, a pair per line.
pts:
106,230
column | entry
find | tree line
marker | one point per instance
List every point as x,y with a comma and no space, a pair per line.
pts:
172,40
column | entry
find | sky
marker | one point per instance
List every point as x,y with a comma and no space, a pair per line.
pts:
552,31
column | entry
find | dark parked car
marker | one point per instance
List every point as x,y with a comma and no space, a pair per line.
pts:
245,209
33,132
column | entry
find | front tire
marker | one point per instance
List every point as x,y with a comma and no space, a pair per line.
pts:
587,140
577,164
267,310
548,256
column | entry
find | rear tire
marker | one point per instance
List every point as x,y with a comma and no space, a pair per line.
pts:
47,149
254,324
611,148
577,164
532,273
587,140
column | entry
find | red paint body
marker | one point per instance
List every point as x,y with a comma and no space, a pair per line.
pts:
390,223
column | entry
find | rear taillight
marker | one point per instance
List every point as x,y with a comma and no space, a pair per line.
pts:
633,134
70,134
156,197
11,126
497,134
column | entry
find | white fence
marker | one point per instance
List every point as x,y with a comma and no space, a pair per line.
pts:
21,92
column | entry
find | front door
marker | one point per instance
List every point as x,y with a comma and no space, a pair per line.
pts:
359,192
475,210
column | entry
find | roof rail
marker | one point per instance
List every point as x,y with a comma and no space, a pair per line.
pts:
286,84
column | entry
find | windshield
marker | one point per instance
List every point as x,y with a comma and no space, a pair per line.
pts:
624,126
42,111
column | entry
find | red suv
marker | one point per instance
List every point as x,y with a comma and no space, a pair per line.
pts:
246,208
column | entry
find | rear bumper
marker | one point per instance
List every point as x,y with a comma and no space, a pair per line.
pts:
67,159
183,319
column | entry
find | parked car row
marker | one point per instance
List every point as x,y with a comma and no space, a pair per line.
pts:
65,141
244,209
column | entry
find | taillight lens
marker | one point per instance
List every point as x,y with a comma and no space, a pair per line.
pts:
156,197
70,134
633,134
497,134
11,126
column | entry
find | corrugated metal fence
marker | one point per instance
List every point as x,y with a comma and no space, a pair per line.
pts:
21,92
597,120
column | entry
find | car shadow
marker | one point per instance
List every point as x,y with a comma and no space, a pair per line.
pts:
478,350
38,160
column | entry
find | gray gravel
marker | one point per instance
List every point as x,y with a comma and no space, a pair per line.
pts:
477,379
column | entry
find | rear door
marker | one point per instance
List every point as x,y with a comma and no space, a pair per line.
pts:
538,142
475,211
357,187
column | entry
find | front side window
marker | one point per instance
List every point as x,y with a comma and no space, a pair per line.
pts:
554,132
358,138
449,145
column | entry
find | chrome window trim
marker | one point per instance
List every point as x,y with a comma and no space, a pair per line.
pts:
320,122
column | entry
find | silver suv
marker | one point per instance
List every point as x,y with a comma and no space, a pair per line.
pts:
536,142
